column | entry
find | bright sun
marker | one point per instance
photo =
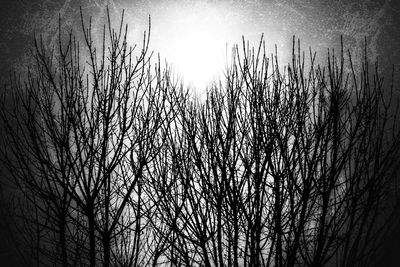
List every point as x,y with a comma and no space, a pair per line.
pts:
196,38
196,51
194,41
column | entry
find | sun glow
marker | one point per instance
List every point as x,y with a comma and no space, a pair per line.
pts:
194,42
196,38
196,52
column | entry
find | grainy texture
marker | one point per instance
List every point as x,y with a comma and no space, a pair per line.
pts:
317,23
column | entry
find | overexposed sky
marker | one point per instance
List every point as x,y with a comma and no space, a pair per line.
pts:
196,38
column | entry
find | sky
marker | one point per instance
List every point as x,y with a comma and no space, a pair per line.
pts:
196,37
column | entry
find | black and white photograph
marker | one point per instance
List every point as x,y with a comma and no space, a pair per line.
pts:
204,133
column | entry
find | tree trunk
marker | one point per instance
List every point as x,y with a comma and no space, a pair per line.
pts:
92,239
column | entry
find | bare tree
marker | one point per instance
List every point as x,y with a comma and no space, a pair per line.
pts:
84,126
119,166
280,168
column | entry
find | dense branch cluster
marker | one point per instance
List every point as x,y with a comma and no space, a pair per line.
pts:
119,166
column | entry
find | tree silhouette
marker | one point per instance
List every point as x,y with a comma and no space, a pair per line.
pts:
86,132
280,169
119,166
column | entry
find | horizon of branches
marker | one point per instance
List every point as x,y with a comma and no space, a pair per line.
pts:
117,165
